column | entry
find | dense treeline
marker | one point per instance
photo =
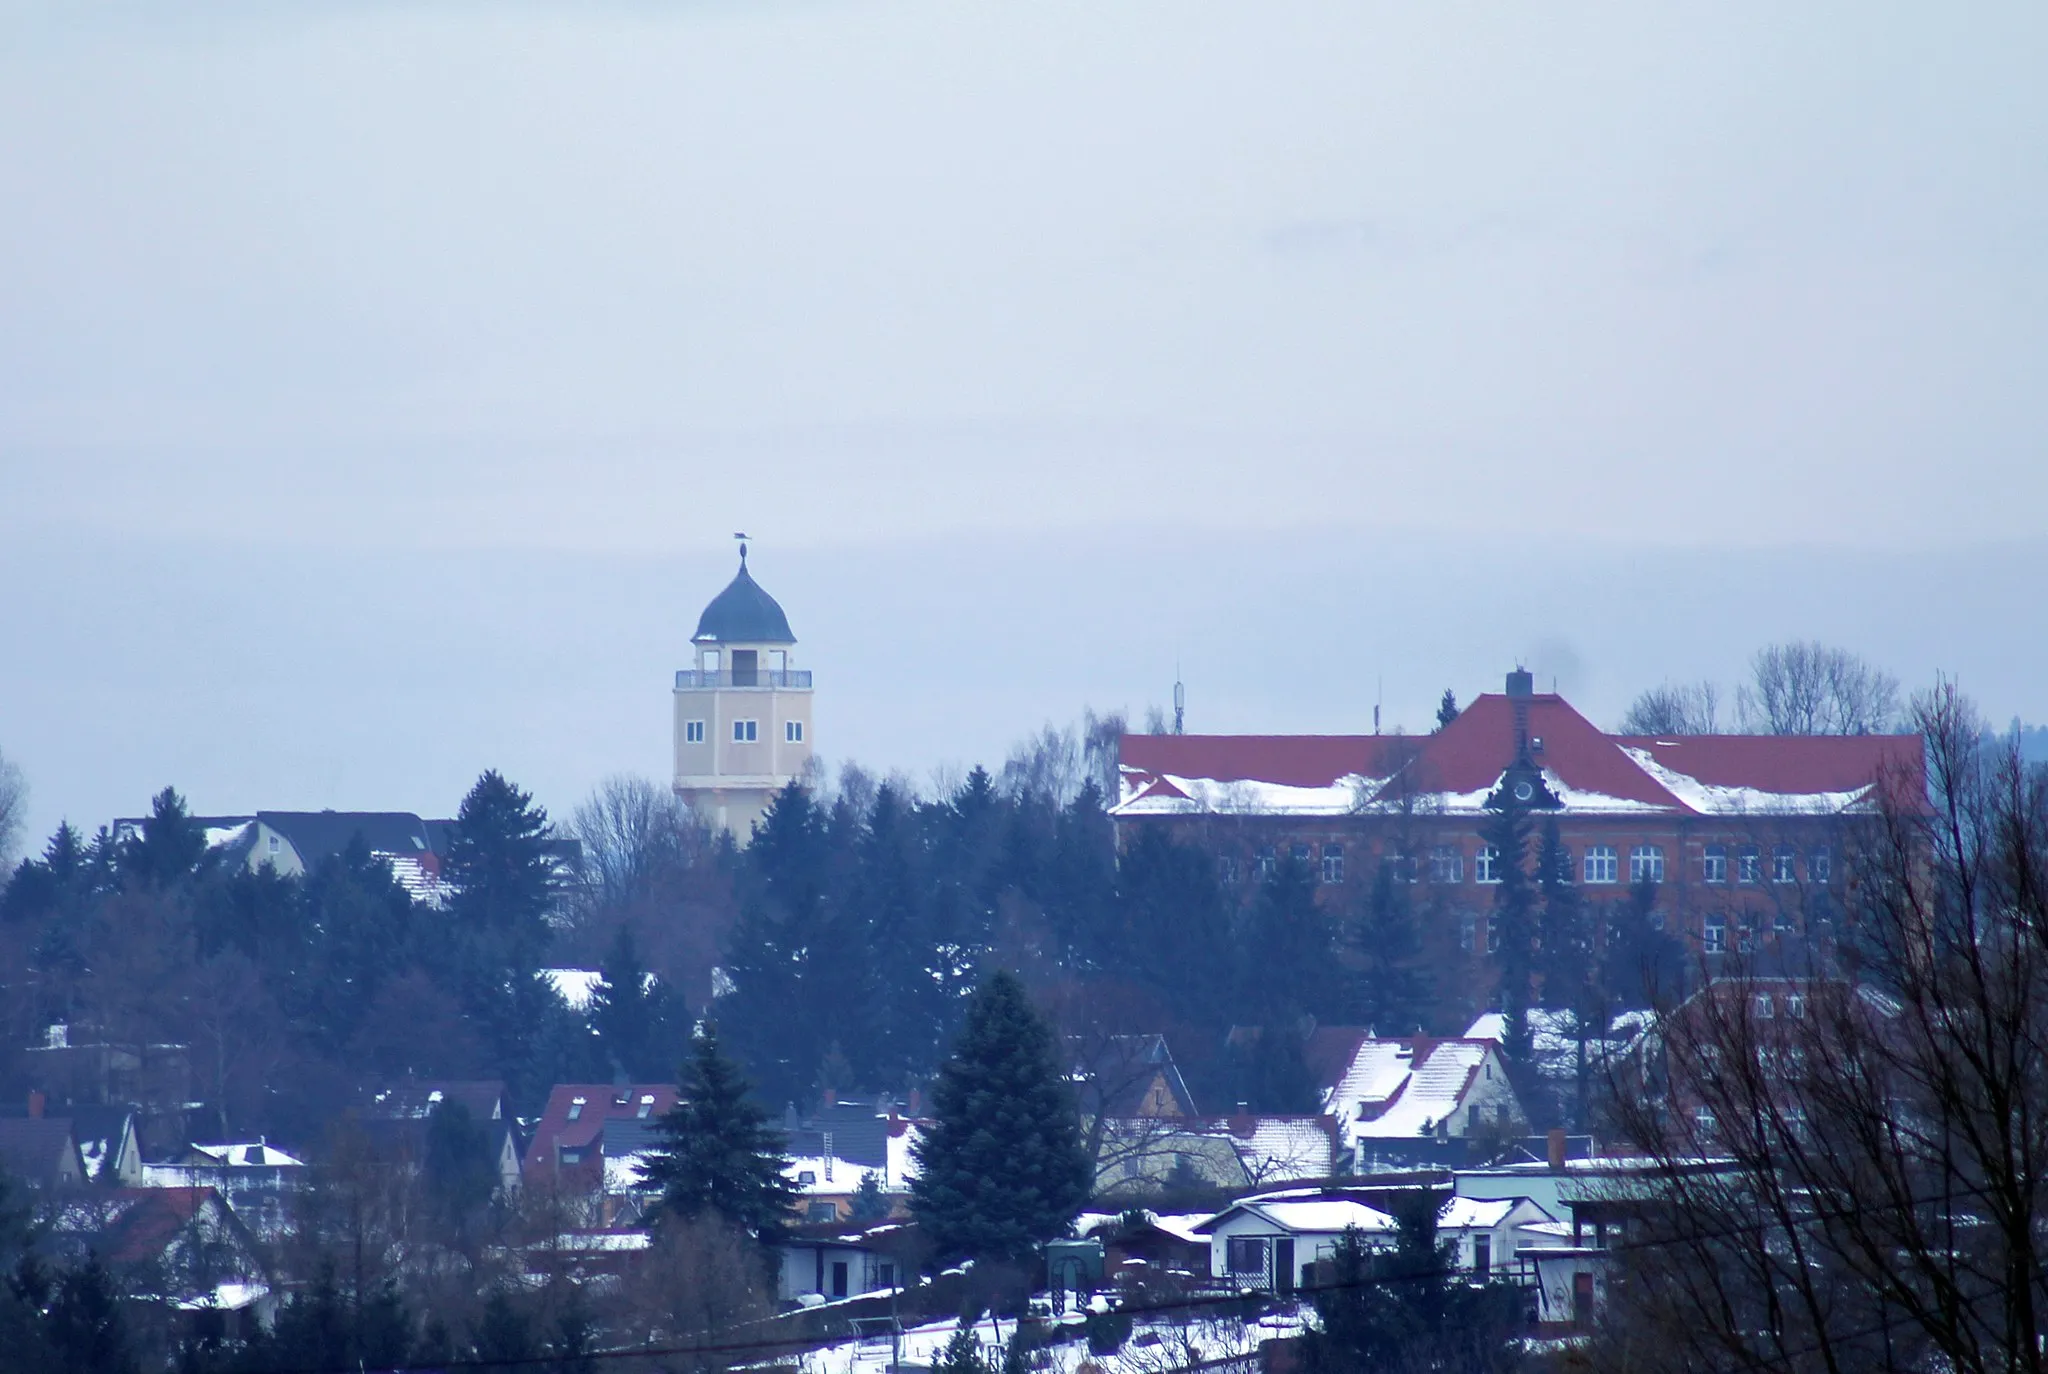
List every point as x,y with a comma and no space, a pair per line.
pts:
836,950
290,993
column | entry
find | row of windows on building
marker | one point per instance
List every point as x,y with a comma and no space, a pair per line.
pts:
1601,864
745,732
1715,937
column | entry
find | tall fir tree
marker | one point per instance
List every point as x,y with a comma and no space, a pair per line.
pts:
718,1155
631,1015
1287,950
1391,985
1447,709
778,1020
503,876
1508,831
169,847
1002,1168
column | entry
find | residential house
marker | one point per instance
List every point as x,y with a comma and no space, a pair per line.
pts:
1139,1245
77,1066
109,1143
829,1263
567,1152
41,1151
838,1144
296,842
1139,1156
1389,1094
182,1249
396,1117
1268,1241
255,1178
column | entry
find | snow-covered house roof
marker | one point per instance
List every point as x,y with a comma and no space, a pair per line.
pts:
1398,1088
1305,1211
1455,770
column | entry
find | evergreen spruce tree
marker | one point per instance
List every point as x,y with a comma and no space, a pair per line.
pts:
170,846
83,1327
1287,950
630,1013
1392,989
777,1016
1447,709
718,1154
1513,919
503,877
1002,1168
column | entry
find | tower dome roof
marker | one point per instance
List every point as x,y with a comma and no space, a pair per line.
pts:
743,614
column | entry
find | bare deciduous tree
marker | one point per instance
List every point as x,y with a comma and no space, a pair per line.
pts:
1882,1196
13,812
1675,709
631,830
1804,687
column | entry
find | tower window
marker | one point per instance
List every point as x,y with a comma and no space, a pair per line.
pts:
1333,863
746,731
792,732
693,732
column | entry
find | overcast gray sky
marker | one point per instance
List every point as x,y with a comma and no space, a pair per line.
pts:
379,384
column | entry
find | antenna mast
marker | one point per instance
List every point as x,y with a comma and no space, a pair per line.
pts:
1180,703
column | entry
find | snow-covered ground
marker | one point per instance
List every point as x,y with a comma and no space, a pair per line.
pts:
1160,1342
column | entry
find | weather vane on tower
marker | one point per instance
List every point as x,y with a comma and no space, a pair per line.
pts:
743,548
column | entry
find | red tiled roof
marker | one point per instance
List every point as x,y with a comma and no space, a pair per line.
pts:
1293,760
600,1104
1469,755
149,1219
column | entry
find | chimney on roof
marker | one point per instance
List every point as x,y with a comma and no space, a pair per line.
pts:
36,1103
1521,686
1556,1143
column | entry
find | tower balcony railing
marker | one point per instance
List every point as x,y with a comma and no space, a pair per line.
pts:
766,678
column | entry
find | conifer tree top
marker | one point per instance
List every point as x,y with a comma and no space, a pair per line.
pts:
1002,1168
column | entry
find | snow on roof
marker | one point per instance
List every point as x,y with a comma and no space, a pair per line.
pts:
1384,1093
626,1173
1283,1147
573,985
1482,1214
260,1155
220,836
1456,769
232,1296
1713,799
1326,1215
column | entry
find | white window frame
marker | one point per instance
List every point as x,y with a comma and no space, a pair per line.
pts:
1333,863
1820,865
1603,863
792,732
1749,865
1784,864
1714,936
1714,864
1646,863
693,732
1446,864
746,732
1486,864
